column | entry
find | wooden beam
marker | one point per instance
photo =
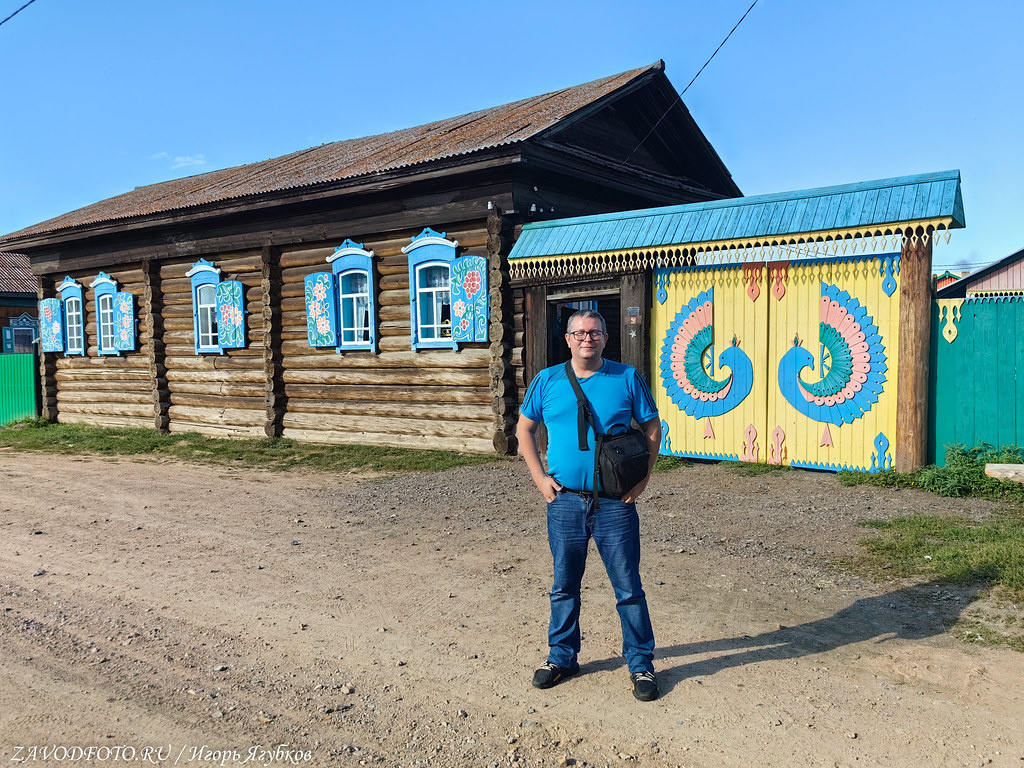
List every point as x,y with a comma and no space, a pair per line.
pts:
911,440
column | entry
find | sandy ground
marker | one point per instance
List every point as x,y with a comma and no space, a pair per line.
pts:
162,613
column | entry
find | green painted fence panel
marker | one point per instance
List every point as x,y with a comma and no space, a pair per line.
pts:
977,373
18,388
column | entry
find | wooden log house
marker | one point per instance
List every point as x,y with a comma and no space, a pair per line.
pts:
334,294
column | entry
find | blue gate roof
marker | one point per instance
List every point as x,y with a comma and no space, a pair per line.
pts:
860,209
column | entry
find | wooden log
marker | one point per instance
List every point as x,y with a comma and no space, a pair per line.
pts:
257,403
400,394
467,412
106,363
406,376
389,426
448,443
80,384
242,417
234,376
109,409
438,358
117,375
1014,472
93,420
916,291
218,388
305,257
230,362
91,396
396,298
215,430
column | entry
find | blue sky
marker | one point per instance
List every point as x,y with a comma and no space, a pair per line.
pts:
103,96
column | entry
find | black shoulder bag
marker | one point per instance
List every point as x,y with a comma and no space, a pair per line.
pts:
621,456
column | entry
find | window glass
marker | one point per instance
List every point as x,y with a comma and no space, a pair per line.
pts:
23,339
105,318
73,313
434,299
206,310
355,307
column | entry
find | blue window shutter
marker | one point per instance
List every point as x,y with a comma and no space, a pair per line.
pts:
51,325
469,299
8,340
321,309
124,322
230,314
426,248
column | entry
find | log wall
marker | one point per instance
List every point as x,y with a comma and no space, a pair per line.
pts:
217,395
463,400
108,391
434,398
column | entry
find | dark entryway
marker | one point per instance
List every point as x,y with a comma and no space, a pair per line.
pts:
559,312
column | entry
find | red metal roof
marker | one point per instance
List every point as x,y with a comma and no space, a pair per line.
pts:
16,274
352,158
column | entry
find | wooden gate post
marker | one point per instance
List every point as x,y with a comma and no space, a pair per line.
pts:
911,450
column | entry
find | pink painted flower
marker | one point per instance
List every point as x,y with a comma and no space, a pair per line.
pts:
322,326
320,291
315,309
471,283
459,308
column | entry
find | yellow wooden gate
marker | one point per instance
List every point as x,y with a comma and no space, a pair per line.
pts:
786,362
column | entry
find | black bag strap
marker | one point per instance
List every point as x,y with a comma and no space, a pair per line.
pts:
583,416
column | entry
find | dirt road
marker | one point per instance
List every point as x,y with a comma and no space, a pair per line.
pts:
213,616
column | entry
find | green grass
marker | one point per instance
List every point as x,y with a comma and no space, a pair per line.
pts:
952,549
986,555
268,453
963,475
668,463
753,469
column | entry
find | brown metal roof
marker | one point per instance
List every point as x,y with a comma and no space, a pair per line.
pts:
16,274
485,129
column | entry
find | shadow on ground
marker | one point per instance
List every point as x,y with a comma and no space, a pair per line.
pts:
912,613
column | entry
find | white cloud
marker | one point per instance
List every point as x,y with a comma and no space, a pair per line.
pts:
159,156
187,161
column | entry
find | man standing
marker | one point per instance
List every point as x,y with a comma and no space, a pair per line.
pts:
616,394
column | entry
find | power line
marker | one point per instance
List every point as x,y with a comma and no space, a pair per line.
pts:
717,49
680,94
665,113
26,5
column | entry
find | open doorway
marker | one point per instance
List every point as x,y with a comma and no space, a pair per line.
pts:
561,309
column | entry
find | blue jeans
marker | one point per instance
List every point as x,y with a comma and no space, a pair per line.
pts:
572,521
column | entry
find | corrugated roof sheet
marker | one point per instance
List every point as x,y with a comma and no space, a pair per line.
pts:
16,274
484,129
846,207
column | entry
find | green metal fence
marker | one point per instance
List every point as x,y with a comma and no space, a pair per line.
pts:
977,376
18,387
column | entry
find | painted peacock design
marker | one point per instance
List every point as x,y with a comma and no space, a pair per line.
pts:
687,363
852,364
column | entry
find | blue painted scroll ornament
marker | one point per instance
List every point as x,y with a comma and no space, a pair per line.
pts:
687,363
852,363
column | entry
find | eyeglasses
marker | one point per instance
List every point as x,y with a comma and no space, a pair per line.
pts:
581,335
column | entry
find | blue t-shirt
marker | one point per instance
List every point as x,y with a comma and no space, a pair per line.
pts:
617,394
